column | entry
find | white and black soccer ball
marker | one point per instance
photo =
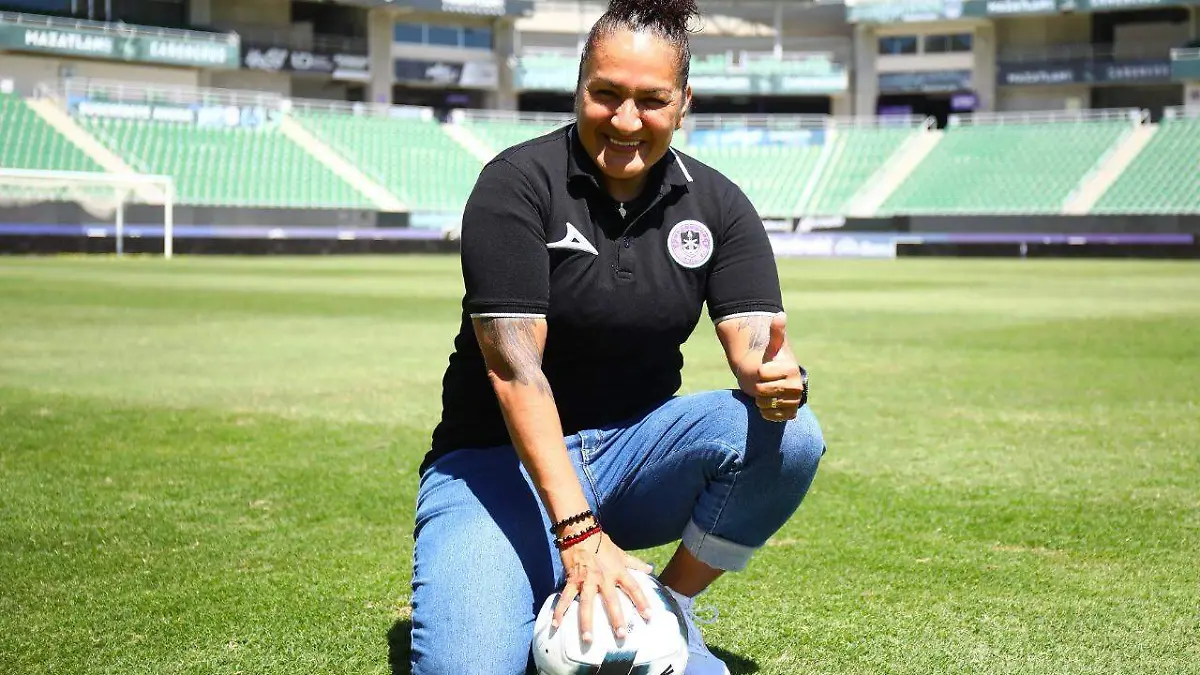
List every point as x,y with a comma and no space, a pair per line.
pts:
656,647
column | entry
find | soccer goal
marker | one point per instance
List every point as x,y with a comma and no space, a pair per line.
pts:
101,195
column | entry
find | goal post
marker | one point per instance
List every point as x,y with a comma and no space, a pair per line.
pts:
100,195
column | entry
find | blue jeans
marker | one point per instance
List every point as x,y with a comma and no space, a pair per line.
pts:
706,468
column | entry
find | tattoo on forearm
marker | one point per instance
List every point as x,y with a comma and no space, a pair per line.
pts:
760,331
515,342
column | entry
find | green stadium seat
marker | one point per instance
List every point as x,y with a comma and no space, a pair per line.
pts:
501,135
1005,168
227,166
1163,178
411,157
28,142
856,156
772,176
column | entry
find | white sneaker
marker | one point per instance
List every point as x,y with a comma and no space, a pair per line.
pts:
700,660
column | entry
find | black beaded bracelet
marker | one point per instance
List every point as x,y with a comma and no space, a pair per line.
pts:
577,518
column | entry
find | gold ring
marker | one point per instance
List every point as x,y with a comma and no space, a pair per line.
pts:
774,402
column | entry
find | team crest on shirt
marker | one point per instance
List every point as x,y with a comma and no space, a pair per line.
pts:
690,243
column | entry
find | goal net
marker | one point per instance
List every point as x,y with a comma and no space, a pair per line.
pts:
103,196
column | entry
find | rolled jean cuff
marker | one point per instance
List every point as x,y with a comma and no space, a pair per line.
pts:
715,551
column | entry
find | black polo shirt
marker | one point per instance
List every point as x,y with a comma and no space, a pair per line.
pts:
620,293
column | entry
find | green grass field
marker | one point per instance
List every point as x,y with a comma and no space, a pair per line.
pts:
208,466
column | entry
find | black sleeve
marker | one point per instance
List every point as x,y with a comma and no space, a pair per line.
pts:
743,277
505,265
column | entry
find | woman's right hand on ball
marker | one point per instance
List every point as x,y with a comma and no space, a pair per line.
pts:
600,569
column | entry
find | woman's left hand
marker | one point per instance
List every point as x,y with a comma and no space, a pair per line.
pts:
779,387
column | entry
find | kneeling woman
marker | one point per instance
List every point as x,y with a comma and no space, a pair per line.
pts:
588,256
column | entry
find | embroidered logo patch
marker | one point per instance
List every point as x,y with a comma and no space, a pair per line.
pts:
690,243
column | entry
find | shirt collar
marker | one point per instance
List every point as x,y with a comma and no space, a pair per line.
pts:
669,171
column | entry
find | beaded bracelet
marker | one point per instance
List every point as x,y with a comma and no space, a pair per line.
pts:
577,518
564,543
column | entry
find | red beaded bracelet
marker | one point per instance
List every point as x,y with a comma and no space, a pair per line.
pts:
567,542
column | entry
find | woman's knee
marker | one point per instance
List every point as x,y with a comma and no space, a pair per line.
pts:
801,448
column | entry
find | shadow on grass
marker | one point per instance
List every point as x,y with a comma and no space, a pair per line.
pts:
738,665
399,639
400,647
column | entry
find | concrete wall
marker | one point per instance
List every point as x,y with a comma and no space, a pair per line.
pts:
918,62
252,80
28,71
864,78
1042,31
254,12
379,50
1024,99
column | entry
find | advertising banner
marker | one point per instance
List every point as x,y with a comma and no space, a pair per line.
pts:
901,11
1116,5
908,11
221,52
1185,66
836,82
476,7
833,245
726,138
925,81
1015,7
1083,72
225,116
472,74
277,59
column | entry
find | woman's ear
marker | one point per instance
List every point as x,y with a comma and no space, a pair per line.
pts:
685,107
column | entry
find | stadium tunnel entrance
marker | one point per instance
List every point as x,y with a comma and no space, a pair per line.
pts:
938,106
442,99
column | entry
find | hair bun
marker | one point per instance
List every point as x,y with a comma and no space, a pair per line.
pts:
670,15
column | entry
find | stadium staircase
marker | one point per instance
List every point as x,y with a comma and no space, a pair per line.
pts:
1000,163
1165,175
470,142
98,157
411,157
891,174
1109,170
227,166
384,200
499,134
771,176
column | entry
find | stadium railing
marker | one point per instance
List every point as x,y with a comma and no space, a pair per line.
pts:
119,91
512,116
1179,112
1131,115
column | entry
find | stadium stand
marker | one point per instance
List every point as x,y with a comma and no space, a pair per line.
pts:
226,166
999,164
773,177
983,164
1164,177
412,157
857,154
500,134
28,142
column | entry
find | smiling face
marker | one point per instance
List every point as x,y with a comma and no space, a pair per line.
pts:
629,105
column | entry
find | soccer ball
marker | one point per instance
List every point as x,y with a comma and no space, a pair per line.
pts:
656,647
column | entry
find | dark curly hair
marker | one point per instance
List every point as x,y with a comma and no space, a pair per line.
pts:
668,19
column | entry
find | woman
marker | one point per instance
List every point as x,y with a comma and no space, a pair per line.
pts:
588,255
